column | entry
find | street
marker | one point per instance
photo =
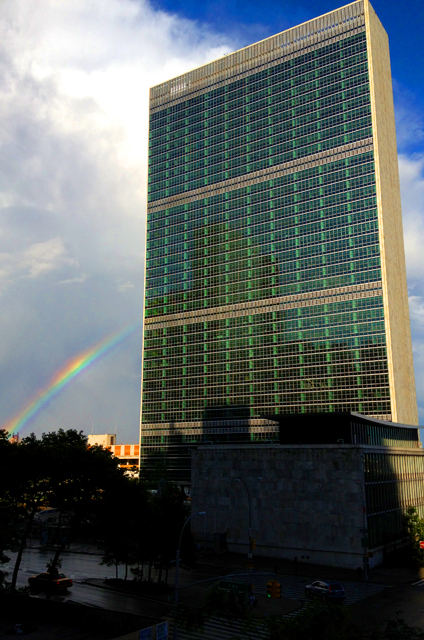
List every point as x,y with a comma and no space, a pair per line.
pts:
370,603
81,567
77,566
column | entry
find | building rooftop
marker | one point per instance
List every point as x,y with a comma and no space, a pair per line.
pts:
344,428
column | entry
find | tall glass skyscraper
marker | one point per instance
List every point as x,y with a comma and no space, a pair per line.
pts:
275,269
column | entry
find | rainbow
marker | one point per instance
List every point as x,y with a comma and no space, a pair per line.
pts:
63,376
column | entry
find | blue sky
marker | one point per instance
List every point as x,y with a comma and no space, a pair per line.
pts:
248,21
74,81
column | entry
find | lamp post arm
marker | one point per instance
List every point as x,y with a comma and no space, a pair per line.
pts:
184,526
177,564
364,516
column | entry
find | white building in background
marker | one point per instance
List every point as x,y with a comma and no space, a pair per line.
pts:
103,439
128,454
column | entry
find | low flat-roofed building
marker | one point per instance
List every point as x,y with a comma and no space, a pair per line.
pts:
333,491
128,454
102,439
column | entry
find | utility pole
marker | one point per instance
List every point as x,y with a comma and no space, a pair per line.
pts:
365,526
252,543
177,566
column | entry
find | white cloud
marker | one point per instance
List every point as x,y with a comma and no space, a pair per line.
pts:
125,286
418,355
74,109
74,80
416,309
37,260
77,280
411,171
42,257
105,51
409,118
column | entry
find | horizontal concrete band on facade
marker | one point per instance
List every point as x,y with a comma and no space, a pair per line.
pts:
301,98
387,417
254,425
257,450
220,79
286,552
350,559
268,305
270,173
222,426
289,44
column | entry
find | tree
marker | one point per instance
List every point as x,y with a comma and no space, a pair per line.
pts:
27,490
58,470
124,521
169,513
399,630
141,527
415,526
80,479
7,507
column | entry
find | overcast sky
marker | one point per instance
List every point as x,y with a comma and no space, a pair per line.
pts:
74,80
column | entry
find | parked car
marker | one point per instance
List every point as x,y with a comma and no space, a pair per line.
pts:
58,582
326,591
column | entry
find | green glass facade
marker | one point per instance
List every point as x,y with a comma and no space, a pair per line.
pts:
316,101
263,277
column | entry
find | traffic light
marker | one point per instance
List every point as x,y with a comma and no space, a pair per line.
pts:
269,588
252,544
273,589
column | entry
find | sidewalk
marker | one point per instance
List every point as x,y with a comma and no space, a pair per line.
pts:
79,546
193,596
100,584
233,562
380,575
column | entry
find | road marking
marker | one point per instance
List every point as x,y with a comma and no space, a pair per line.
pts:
293,587
418,582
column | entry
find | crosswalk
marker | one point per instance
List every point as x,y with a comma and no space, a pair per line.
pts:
223,629
291,587
294,586
418,583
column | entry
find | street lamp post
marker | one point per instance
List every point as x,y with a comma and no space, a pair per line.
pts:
249,552
177,566
364,512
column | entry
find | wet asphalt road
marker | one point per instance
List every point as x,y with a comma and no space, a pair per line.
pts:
407,597
80,567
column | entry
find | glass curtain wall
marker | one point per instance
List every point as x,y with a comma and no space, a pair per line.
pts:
263,281
393,482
